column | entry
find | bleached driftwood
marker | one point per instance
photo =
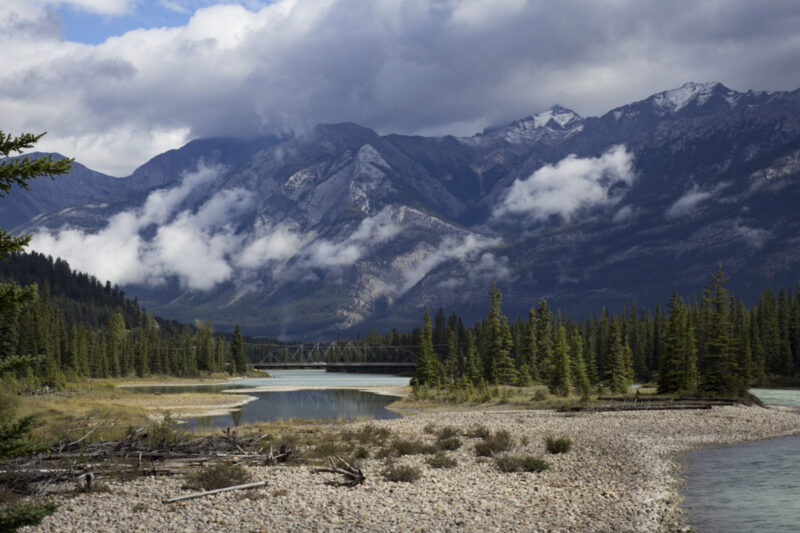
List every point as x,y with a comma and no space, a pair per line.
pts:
216,491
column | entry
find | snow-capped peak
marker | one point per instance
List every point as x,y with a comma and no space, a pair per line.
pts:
560,115
674,100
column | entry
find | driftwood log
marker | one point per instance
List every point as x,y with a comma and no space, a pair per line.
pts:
216,491
350,475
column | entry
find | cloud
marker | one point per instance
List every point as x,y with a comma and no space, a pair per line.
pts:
466,249
195,246
397,66
689,203
570,185
754,237
374,230
200,247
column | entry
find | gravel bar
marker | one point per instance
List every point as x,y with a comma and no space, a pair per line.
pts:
623,474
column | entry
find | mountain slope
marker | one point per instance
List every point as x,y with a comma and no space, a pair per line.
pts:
343,228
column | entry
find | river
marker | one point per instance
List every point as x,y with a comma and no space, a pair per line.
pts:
747,487
325,398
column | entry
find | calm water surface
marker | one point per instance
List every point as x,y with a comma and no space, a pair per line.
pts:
330,403
747,487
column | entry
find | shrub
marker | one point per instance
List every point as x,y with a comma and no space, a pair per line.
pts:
441,460
478,432
539,396
453,443
405,473
369,434
524,463
165,432
360,453
430,429
218,476
500,441
16,516
447,432
411,447
557,445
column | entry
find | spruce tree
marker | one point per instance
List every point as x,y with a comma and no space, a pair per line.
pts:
471,365
238,363
580,377
505,371
544,340
721,376
427,372
560,379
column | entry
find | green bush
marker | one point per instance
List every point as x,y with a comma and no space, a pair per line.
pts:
441,460
360,453
524,463
500,441
411,447
16,516
168,431
404,473
478,432
369,434
539,396
557,445
447,432
452,443
218,476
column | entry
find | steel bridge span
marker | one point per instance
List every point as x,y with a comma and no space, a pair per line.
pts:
334,356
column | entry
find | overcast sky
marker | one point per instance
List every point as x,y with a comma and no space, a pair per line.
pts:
115,82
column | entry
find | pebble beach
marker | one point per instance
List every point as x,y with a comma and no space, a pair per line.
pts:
623,474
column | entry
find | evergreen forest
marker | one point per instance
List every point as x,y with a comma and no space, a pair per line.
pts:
713,345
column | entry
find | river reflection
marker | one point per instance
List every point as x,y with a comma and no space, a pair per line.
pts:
343,404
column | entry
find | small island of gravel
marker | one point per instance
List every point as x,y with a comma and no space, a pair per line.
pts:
622,474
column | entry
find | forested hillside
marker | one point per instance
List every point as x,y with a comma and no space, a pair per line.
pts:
80,327
710,345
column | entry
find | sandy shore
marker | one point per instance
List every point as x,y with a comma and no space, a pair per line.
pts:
400,392
622,475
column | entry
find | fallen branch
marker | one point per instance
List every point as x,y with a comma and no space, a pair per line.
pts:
216,491
351,475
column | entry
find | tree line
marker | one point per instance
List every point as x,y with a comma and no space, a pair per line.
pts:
713,345
77,327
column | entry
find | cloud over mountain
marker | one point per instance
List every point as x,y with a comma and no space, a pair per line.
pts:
572,184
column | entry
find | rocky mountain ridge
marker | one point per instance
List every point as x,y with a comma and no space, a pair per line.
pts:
341,228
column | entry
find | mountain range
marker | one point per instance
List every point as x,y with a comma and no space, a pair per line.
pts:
340,229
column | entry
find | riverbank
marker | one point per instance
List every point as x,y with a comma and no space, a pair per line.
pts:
623,474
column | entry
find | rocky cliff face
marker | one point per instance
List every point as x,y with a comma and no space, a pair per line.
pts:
342,228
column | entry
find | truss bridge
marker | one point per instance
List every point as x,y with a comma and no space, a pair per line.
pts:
334,356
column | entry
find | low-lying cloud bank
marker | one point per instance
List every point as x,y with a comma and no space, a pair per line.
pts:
569,186
165,239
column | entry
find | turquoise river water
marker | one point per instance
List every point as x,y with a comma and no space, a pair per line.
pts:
747,487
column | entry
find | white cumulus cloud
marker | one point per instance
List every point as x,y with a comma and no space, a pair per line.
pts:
572,184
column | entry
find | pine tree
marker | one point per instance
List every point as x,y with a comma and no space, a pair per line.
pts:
238,362
721,376
560,379
471,365
427,372
505,371
544,340
530,345
580,377
494,335
617,360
